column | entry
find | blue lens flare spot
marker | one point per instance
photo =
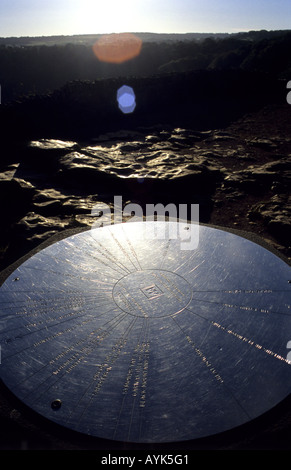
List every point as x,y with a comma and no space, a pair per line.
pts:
126,99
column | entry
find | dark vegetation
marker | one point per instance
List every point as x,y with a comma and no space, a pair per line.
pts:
231,86
61,89
43,68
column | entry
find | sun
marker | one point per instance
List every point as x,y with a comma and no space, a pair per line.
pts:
107,16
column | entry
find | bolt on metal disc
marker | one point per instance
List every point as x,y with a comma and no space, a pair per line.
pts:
128,338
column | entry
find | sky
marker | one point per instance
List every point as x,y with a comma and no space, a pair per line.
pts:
68,17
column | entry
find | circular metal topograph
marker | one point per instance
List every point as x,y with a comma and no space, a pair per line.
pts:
132,338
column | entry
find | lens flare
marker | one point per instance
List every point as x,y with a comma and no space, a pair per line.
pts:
126,99
117,48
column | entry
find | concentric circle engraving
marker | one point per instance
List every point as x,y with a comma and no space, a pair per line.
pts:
127,338
152,293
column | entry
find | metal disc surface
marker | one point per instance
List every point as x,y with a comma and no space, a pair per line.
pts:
132,338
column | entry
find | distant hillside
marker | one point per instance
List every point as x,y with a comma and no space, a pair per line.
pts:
39,66
89,39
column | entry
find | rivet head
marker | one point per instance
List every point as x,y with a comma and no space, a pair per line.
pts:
56,404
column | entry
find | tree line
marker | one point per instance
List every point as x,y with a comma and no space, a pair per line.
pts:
42,69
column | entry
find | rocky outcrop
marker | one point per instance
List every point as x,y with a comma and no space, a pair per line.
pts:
239,178
275,216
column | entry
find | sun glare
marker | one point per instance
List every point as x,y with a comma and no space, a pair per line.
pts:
109,16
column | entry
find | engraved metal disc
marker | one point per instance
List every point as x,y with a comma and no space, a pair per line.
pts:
132,338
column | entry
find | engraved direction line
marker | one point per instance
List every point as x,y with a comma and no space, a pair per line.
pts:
23,335
122,249
76,314
200,354
186,261
105,254
82,294
131,248
25,310
250,342
130,377
104,370
80,355
43,341
211,369
33,308
240,337
242,307
42,304
108,255
50,376
85,266
164,256
66,274
244,291
196,267
73,316
94,341
142,362
46,327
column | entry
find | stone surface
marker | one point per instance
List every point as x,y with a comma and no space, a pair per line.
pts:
239,175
